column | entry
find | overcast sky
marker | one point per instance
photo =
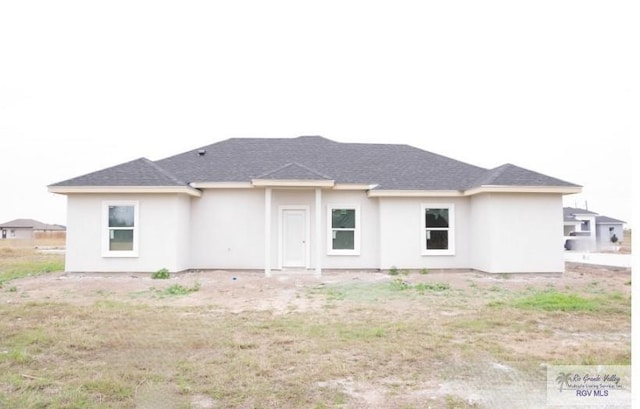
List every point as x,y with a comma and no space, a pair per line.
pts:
547,85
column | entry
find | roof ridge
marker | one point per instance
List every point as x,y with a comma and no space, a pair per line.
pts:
136,169
490,175
311,170
290,164
163,171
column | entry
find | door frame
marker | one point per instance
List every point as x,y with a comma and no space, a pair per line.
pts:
307,233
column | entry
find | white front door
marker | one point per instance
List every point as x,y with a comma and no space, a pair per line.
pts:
294,238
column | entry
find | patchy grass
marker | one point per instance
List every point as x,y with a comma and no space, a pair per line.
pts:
178,289
423,287
556,301
406,342
553,300
252,359
24,261
397,288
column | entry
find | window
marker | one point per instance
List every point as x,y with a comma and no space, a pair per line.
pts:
121,229
585,226
344,230
438,236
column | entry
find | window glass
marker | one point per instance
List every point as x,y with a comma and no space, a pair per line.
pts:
121,230
343,218
436,218
437,239
343,239
121,240
121,216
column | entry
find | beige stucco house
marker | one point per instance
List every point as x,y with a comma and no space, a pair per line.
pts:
29,229
310,203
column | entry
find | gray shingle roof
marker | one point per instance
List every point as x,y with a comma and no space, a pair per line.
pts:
389,166
293,171
512,175
139,172
607,220
31,224
570,211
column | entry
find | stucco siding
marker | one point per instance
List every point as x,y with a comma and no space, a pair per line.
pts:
604,234
227,229
517,233
400,234
160,228
19,233
183,233
482,232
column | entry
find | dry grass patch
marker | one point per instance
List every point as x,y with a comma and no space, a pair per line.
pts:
428,340
100,354
20,259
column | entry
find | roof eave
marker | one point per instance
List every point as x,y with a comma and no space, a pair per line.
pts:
249,185
413,193
67,190
474,191
565,190
221,185
354,186
293,183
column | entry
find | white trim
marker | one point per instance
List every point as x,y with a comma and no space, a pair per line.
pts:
523,189
267,232
451,239
221,185
124,189
353,186
318,232
414,193
307,234
293,183
474,191
104,231
356,231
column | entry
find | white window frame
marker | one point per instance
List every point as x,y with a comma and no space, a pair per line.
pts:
356,231
105,229
451,239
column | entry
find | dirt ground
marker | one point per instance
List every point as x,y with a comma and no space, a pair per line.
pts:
479,357
284,292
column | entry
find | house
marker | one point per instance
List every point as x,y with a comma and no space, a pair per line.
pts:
28,229
310,203
585,230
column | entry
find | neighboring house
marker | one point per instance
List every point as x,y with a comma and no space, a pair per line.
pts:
312,203
585,230
27,229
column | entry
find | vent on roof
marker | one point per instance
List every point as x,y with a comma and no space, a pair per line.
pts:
201,152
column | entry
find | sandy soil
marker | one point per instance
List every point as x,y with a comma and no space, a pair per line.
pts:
237,291
502,385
